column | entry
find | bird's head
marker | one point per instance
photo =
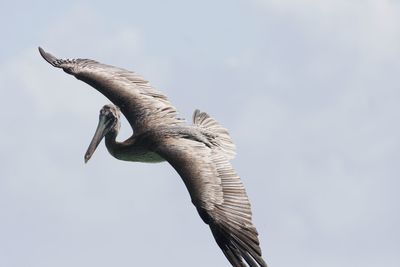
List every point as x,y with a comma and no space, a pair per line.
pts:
109,124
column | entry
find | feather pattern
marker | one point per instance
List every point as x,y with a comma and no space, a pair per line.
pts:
200,153
216,132
219,196
143,106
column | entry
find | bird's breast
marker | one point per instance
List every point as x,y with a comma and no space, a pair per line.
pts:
140,156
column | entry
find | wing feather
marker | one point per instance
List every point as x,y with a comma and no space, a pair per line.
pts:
214,186
219,196
143,105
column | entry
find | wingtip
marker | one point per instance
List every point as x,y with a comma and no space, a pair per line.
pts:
48,57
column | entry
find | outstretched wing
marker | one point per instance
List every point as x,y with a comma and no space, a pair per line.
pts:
143,106
219,196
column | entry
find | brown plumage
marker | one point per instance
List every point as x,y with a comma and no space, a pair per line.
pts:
200,152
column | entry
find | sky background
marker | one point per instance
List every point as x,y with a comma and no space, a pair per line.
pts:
308,89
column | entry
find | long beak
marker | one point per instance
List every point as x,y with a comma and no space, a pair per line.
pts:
101,131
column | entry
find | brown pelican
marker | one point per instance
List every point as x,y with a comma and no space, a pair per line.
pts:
200,152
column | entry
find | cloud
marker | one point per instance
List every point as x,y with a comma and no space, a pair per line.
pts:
308,90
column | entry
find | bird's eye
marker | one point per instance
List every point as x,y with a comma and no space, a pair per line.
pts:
104,112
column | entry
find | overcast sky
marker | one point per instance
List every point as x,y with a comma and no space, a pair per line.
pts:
308,89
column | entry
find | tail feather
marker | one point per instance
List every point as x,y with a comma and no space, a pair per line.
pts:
219,134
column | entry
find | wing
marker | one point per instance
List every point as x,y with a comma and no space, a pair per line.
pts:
219,196
143,106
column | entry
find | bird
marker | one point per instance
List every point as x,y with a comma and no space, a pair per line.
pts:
199,152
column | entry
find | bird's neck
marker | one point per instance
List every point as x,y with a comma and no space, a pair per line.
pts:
113,146
130,150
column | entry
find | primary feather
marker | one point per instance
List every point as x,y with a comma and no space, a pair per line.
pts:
200,153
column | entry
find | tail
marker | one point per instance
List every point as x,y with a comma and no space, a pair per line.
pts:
220,135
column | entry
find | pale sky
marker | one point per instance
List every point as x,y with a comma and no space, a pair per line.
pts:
309,90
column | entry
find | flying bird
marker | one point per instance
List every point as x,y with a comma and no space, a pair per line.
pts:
200,152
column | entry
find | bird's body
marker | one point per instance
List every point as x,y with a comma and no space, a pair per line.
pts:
199,152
